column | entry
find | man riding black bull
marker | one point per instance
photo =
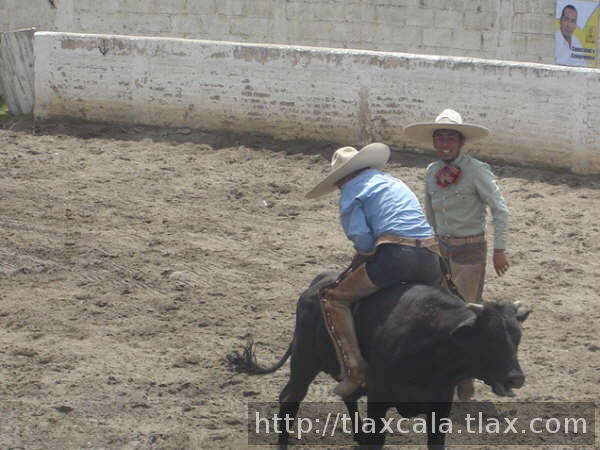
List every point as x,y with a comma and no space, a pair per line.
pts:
393,241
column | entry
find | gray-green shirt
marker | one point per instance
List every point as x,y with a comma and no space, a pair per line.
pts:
459,210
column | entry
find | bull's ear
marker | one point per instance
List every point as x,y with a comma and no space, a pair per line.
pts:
465,326
468,324
523,314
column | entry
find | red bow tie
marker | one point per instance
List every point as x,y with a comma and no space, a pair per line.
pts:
447,175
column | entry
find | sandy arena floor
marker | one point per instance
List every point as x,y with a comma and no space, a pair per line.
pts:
132,260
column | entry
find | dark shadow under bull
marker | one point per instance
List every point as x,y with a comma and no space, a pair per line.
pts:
419,342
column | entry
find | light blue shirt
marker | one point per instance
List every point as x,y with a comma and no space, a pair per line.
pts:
374,203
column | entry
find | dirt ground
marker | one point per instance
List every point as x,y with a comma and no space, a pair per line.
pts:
133,259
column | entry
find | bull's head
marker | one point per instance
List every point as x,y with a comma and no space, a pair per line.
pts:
493,332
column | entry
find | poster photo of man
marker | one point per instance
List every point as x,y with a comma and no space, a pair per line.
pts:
576,33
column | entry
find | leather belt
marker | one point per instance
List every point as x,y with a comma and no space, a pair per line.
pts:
431,243
456,240
388,238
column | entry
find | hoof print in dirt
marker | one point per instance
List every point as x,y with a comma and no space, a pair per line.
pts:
63,409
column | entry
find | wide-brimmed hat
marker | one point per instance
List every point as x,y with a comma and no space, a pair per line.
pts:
347,160
447,120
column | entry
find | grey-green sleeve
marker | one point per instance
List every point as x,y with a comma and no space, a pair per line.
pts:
428,209
485,182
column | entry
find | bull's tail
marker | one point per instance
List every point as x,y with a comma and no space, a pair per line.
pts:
245,361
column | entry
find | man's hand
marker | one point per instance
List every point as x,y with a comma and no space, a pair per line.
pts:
500,262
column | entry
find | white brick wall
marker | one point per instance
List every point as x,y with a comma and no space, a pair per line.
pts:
495,29
539,114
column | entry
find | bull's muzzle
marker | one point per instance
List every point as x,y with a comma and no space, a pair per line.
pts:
515,380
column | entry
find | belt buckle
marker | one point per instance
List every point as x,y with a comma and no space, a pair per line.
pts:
472,239
417,243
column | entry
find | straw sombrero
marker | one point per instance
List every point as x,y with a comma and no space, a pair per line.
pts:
448,119
347,160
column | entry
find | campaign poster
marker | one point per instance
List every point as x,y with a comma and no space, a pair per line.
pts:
576,33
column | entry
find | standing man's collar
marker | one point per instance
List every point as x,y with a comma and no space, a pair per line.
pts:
460,159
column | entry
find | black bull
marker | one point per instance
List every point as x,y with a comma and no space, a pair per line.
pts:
419,342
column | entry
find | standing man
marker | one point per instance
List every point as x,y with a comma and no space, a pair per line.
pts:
567,47
393,242
458,190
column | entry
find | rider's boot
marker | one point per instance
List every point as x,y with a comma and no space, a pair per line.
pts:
336,303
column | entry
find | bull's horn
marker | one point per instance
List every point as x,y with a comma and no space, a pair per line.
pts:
517,303
475,307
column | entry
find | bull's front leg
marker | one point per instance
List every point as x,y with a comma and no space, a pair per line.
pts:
374,436
436,439
355,420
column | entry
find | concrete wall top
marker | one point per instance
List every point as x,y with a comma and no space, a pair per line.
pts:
539,114
520,30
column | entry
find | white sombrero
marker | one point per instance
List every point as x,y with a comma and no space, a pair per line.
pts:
347,160
447,120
